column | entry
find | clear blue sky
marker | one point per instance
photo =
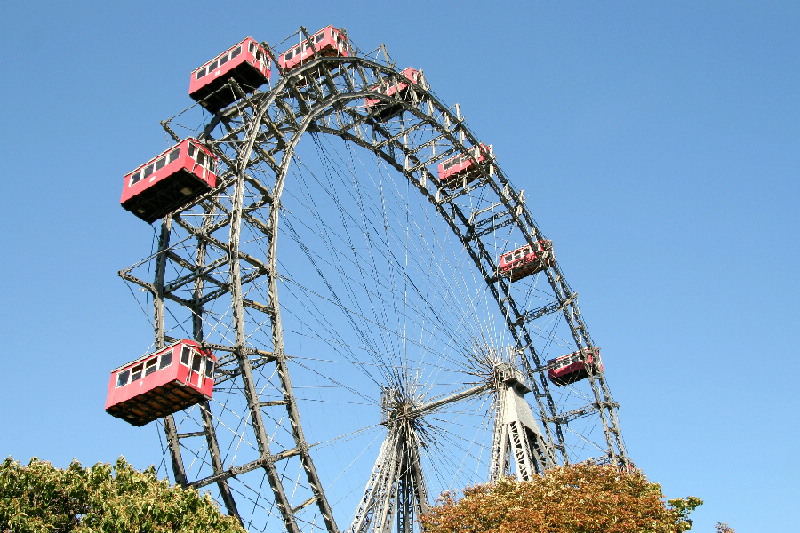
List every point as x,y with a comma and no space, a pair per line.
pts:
658,146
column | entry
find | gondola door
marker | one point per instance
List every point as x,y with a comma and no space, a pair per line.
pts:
195,375
193,360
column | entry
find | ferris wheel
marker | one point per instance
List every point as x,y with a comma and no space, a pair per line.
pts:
353,308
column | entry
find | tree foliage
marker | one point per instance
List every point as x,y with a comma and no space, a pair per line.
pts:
39,497
572,499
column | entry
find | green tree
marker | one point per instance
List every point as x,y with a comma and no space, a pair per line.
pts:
101,498
572,499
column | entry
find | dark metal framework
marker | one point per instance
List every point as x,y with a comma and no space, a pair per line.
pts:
215,274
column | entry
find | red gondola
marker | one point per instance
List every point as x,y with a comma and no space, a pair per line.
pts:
382,110
169,180
328,41
464,166
246,62
526,260
574,366
161,383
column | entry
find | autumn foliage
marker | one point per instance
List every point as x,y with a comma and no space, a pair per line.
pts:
572,499
39,497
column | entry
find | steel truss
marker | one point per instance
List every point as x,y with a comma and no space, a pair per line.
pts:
396,488
515,430
216,268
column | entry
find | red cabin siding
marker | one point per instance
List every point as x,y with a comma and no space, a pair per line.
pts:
526,260
247,62
328,41
170,180
463,165
574,366
161,383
